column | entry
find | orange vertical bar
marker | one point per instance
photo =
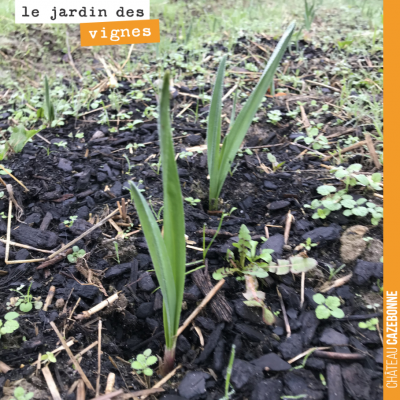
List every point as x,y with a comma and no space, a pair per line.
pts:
391,225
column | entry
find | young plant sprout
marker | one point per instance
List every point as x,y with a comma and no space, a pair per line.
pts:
77,253
192,201
308,244
370,324
220,159
10,325
252,266
167,251
70,221
327,307
20,394
49,357
143,362
229,393
26,301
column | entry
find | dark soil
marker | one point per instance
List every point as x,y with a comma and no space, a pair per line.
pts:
88,177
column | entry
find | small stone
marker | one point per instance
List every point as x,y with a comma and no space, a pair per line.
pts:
60,303
97,135
250,333
273,362
276,243
352,243
146,282
244,374
278,205
65,165
331,337
374,251
291,347
145,310
323,234
356,382
193,384
364,270
309,325
117,270
248,313
182,344
270,186
303,382
290,296
315,363
268,389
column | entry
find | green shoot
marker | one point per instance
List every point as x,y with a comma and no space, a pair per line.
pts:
116,251
327,307
370,324
168,252
19,394
143,362
25,301
10,325
220,160
228,393
77,253
70,221
192,201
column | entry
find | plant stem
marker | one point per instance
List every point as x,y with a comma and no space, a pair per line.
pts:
169,360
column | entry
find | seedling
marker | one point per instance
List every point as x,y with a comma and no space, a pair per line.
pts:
333,272
129,164
168,252
252,266
275,165
192,201
20,394
220,159
70,221
229,393
327,307
26,301
49,357
143,362
370,324
116,251
4,216
274,116
134,146
309,14
205,250
10,325
308,244
61,144
18,139
77,253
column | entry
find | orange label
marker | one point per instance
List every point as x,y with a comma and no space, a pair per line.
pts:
121,32
391,338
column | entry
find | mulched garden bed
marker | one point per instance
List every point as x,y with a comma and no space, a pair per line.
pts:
87,178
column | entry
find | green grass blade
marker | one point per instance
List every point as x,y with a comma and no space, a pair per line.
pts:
160,258
214,132
174,219
243,121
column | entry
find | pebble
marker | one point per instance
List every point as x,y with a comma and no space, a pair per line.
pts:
323,234
291,347
244,374
303,382
268,389
272,361
269,185
277,205
117,270
193,384
275,243
356,382
65,165
145,310
364,270
330,337
146,282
